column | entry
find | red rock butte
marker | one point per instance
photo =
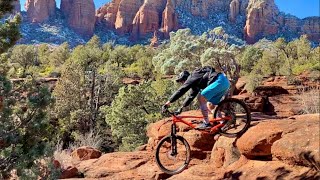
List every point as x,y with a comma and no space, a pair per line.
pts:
138,18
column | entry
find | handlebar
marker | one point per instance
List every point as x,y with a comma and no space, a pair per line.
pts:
171,113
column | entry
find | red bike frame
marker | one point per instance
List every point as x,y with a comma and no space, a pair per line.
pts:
214,129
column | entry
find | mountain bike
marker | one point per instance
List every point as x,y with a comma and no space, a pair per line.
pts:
231,118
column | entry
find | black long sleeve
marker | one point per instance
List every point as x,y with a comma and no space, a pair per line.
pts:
196,81
181,91
193,93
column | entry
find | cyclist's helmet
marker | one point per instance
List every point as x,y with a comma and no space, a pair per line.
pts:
183,76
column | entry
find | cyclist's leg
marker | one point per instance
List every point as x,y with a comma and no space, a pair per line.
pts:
203,107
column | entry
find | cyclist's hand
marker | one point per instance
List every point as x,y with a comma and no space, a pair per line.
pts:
164,108
178,111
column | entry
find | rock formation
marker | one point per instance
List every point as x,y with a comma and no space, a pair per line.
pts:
16,6
264,19
126,13
80,15
40,10
169,19
311,27
234,10
148,18
261,20
142,17
108,13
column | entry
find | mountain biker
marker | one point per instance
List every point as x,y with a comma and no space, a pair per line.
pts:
211,84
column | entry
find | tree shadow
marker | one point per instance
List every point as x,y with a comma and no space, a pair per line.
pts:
232,175
282,173
309,159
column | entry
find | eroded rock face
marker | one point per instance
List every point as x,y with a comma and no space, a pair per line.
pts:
127,11
16,6
80,15
107,14
261,20
234,10
141,17
284,140
40,10
169,19
147,18
311,27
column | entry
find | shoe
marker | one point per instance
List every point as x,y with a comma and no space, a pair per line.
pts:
203,125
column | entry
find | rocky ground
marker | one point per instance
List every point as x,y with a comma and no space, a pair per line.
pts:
280,144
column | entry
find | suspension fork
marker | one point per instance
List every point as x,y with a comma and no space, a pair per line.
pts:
173,140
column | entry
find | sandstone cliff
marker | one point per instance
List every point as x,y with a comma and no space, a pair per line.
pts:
17,6
80,15
261,19
40,10
264,19
258,18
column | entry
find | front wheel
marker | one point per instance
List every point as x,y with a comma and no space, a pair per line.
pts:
238,113
173,154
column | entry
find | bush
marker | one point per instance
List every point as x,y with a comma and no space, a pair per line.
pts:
249,58
310,100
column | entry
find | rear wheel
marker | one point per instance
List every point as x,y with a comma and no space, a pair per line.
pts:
239,114
173,154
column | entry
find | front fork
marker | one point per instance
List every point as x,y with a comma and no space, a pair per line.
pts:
173,140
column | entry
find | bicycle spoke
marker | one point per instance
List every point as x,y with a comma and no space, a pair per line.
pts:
172,161
237,112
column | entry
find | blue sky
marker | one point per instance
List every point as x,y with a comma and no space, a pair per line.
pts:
299,8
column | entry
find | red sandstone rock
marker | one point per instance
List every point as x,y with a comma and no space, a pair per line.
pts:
120,165
255,103
85,153
224,152
169,19
258,142
16,6
80,15
245,169
311,28
234,10
147,18
300,146
139,17
70,172
56,164
40,10
286,139
126,13
260,15
107,14
155,40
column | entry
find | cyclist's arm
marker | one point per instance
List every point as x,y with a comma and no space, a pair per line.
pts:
193,93
181,91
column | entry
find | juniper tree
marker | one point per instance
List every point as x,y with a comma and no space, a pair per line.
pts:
187,52
26,132
9,28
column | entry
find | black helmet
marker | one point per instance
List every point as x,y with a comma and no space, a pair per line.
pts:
183,76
